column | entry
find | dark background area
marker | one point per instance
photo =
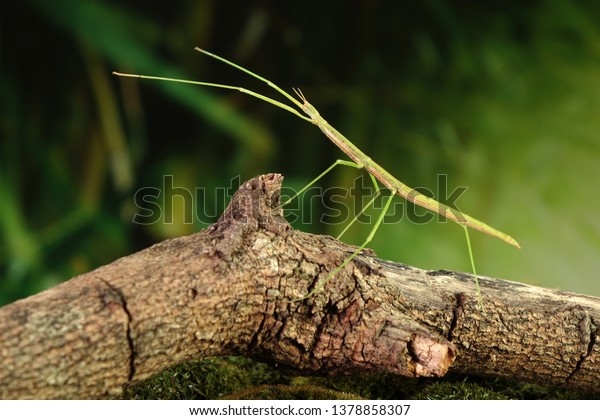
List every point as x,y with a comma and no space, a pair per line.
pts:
502,96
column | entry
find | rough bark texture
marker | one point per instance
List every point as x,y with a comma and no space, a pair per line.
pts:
230,289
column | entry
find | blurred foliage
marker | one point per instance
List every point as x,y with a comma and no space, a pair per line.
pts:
500,96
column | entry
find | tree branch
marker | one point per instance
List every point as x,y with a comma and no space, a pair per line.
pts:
230,289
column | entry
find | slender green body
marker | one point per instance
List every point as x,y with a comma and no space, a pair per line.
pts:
396,186
353,152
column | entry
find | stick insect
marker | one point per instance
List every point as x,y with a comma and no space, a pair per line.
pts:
359,160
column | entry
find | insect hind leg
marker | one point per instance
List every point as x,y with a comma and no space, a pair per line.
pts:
319,286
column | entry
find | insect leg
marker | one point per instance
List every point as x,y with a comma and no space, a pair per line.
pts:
322,283
325,172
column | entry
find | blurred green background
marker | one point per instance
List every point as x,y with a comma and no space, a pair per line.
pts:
503,96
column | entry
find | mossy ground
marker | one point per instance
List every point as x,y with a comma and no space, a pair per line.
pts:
241,378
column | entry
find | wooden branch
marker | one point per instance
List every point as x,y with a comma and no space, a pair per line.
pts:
230,288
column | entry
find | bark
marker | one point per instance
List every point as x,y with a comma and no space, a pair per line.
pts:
231,289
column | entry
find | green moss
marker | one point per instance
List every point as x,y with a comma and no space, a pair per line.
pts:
290,392
204,379
372,387
462,390
242,378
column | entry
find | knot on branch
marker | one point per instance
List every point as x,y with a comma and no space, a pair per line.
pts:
256,205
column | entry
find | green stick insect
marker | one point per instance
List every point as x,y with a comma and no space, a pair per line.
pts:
303,109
